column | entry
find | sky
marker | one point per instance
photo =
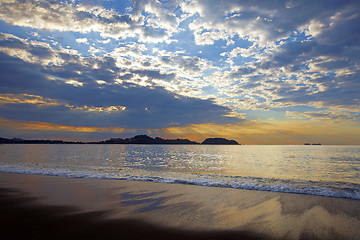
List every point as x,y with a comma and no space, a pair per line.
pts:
258,72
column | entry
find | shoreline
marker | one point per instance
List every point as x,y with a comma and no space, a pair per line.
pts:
312,191
104,208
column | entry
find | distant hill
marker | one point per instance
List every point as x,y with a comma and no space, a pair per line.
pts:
5,140
22,141
138,139
219,141
312,143
144,139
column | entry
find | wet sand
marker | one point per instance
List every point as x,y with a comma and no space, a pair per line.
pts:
48,207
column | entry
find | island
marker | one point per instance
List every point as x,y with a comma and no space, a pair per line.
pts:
23,141
219,141
138,139
144,139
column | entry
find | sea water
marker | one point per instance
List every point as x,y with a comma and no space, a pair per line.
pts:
318,170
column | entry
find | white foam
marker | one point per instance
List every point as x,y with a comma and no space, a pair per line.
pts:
329,189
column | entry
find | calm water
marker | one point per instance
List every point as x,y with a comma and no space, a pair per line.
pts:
319,170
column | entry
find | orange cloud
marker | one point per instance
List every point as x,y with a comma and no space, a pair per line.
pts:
26,98
43,126
273,132
41,101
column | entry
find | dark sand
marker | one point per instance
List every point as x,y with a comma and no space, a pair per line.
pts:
47,207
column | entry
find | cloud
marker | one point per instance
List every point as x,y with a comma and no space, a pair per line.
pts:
185,62
155,74
82,40
44,126
70,94
324,115
159,15
63,16
262,22
313,58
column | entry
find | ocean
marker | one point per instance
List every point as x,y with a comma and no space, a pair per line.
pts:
332,171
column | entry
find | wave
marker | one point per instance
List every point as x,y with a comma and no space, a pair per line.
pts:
318,188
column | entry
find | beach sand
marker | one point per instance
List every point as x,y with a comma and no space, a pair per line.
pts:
50,207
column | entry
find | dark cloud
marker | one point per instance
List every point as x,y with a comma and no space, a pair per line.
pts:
154,32
120,18
155,74
241,71
40,52
185,63
82,15
334,95
18,76
145,107
288,54
11,42
69,57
